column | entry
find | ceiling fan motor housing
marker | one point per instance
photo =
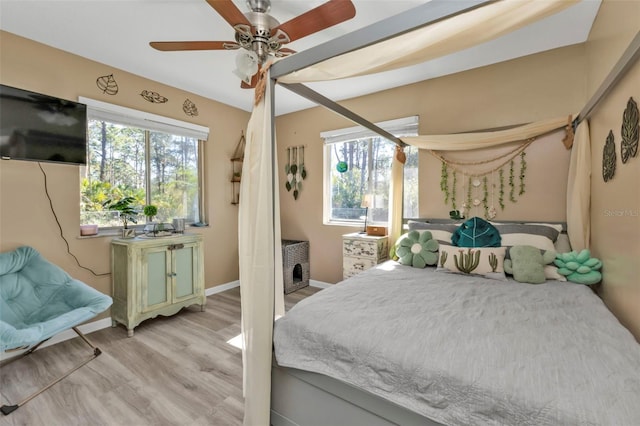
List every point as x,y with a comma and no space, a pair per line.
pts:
259,5
259,41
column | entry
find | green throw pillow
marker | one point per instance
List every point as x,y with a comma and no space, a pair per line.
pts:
476,232
579,267
526,264
417,249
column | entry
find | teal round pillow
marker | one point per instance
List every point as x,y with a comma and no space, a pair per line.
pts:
417,249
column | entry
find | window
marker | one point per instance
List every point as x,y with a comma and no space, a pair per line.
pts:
358,162
153,160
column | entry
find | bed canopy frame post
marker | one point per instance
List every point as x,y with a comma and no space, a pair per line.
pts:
312,95
628,58
412,19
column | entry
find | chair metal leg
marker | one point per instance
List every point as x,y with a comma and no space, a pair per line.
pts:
8,409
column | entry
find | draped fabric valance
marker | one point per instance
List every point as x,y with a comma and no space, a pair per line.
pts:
478,140
433,41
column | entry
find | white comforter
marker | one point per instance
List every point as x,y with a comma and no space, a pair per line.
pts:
469,351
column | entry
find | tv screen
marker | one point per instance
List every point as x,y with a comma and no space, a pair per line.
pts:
39,127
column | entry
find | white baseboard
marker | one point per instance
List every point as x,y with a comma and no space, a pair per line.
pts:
320,284
221,288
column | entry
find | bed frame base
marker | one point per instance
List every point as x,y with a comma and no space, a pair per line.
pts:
302,398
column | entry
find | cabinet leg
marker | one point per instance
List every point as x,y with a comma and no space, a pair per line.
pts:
114,323
129,332
203,307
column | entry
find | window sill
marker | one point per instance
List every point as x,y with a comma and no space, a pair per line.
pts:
100,234
117,232
354,224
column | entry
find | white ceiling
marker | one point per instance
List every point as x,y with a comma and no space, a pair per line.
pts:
117,33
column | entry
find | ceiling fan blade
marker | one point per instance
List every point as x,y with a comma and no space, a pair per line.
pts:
169,46
285,51
229,12
324,16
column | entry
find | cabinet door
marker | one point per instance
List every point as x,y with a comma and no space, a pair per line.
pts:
184,271
155,283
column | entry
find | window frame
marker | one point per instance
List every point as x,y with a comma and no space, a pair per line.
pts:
407,126
98,110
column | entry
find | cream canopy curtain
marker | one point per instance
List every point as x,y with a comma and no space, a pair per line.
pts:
396,200
260,259
579,189
433,41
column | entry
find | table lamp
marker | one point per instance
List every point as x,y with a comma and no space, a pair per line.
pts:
367,201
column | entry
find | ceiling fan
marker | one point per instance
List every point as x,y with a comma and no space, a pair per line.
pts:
261,35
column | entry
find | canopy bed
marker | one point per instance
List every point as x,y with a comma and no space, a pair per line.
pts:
259,225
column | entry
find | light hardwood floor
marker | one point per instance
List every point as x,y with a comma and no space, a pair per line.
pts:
176,370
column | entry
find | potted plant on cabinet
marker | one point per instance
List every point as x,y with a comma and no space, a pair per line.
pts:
127,213
150,211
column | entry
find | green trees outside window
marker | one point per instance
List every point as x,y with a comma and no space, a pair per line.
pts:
152,167
368,171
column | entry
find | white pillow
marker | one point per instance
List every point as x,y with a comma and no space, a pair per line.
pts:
551,273
537,235
490,261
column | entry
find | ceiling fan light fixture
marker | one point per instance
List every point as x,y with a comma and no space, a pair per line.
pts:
246,65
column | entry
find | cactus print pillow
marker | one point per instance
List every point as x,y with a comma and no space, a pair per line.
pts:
486,261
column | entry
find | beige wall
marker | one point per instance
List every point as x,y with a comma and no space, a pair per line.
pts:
615,205
25,216
540,86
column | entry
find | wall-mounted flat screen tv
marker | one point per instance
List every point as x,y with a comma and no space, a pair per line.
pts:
39,127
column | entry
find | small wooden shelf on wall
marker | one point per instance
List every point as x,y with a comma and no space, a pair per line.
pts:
236,176
236,170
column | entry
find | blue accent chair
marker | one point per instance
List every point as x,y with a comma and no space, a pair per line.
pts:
39,300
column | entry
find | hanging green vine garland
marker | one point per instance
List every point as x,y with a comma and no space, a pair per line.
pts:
501,197
512,185
523,169
469,186
485,198
508,157
453,194
444,182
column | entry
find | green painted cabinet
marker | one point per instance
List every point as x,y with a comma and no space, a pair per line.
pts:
155,276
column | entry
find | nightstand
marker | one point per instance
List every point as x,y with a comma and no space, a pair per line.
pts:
361,252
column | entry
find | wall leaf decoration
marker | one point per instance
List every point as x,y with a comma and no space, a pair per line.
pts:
609,158
630,131
153,97
295,170
190,108
107,84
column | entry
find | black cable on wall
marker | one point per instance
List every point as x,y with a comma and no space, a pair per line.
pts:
46,191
